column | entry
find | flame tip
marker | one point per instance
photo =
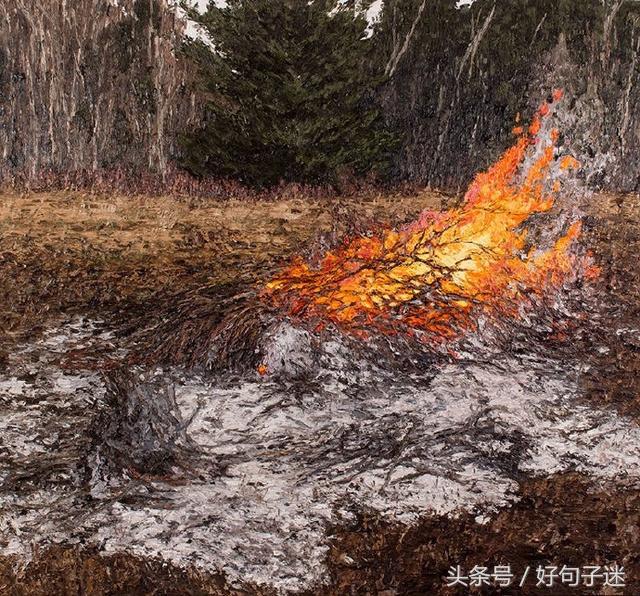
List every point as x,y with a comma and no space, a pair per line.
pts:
432,278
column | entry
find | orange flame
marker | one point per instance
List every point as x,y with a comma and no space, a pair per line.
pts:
435,277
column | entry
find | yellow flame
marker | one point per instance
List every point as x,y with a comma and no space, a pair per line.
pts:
434,277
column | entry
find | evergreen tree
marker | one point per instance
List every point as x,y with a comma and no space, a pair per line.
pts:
289,94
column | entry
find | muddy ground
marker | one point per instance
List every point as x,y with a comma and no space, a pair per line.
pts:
138,262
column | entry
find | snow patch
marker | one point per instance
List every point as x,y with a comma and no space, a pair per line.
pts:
274,461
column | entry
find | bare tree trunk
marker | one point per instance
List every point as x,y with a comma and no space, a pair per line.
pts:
472,48
78,78
399,51
607,29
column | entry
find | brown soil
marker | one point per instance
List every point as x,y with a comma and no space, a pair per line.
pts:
614,236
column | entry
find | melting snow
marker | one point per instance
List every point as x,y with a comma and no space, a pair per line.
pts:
275,460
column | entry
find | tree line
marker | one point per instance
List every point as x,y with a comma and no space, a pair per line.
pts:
301,90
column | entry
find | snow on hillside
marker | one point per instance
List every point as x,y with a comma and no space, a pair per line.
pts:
193,30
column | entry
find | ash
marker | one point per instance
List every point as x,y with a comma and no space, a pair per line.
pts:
245,474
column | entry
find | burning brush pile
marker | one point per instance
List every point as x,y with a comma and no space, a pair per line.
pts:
442,277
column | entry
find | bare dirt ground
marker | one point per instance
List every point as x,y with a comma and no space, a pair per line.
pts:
130,261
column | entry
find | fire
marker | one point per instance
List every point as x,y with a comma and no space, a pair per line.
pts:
434,278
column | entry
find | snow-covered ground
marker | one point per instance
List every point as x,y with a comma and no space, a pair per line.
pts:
263,465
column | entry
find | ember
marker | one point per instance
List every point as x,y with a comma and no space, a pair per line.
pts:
434,278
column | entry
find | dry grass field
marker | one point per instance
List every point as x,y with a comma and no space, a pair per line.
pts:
64,252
